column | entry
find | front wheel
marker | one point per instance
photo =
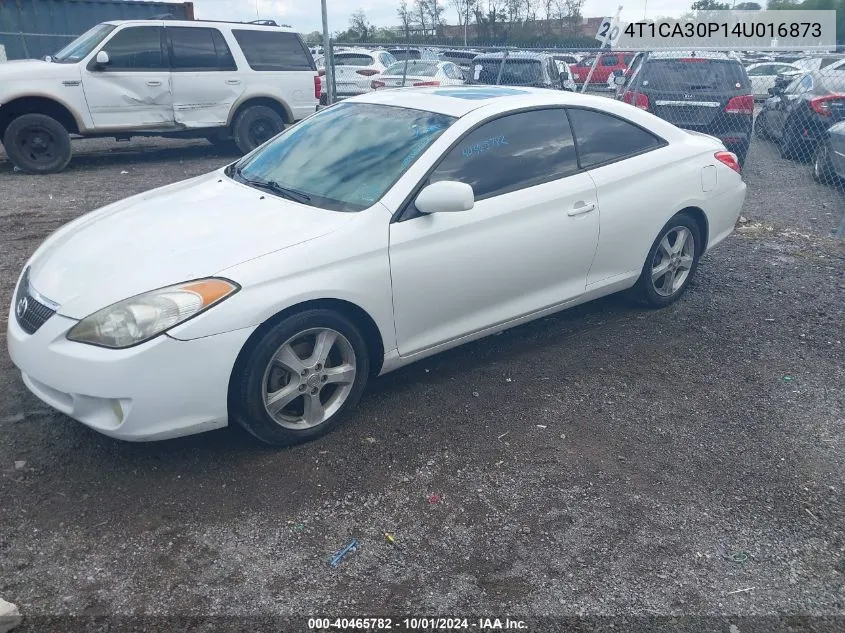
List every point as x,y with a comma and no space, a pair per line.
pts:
37,144
300,377
671,263
255,126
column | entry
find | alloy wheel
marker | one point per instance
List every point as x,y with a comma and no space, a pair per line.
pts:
673,261
309,378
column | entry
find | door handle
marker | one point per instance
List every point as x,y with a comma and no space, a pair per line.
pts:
233,82
581,209
153,83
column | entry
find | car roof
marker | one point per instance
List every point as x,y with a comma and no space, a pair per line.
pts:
715,55
458,101
199,23
514,55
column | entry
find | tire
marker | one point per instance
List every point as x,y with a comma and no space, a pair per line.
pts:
822,169
255,126
790,146
653,291
760,128
37,144
264,371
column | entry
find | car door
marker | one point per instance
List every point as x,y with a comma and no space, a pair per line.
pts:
637,184
132,90
526,245
205,79
784,104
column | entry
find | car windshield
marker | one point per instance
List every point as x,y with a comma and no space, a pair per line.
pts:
345,157
84,44
403,53
422,69
681,75
517,72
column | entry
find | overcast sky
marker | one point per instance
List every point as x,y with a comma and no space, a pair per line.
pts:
304,15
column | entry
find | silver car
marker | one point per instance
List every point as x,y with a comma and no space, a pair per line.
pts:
829,165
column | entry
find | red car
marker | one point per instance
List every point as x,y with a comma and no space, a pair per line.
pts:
608,62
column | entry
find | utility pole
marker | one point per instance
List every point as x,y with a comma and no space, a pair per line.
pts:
327,56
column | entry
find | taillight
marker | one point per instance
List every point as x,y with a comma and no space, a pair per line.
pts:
743,104
821,105
318,86
636,99
375,84
729,159
367,72
427,83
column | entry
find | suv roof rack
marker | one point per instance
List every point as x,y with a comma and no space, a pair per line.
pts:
263,22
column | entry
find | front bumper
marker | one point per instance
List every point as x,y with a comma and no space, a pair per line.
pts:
161,389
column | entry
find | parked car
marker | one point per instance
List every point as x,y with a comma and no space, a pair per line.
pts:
608,62
798,116
424,219
463,58
416,73
763,76
566,59
354,70
566,79
156,78
403,53
829,62
829,162
704,92
517,69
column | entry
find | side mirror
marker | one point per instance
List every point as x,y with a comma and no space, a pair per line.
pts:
446,196
102,58
619,80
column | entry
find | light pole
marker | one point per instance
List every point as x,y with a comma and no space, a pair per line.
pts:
327,57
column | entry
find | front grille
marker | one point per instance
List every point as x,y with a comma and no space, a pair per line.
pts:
30,311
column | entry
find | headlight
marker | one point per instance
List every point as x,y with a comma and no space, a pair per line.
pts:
142,317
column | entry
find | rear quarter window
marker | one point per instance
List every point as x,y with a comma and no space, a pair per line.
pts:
273,51
602,138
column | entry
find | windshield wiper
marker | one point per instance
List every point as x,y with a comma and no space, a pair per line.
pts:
274,187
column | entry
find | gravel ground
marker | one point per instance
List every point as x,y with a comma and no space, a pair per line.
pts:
607,460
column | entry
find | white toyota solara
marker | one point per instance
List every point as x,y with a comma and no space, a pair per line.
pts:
376,232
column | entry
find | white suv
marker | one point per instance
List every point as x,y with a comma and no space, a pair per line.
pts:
216,80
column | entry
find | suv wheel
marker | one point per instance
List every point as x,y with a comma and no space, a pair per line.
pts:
255,126
37,144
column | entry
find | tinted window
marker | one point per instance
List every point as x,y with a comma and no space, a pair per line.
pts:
609,60
402,54
553,72
199,49
273,50
602,138
135,48
516,151
353,59
386,58
761,71
517,72
347,156
680,75
424,69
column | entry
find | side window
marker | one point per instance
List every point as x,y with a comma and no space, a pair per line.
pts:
609,60
273,50
604,138
553,71
806,84
514,152
199,49
135,48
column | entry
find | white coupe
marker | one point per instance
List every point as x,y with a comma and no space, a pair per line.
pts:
375,233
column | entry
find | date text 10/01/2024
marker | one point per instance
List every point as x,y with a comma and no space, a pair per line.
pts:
416,624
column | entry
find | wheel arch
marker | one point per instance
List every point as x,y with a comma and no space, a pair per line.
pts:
277,105
36,104
356,314
700,218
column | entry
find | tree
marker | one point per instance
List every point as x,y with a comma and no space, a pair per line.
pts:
405,16
748,6
314,37
710,5
569,14
421,13
360,26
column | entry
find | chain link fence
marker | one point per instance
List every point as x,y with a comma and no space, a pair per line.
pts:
765,106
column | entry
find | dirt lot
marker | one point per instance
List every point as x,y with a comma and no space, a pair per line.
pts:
608,460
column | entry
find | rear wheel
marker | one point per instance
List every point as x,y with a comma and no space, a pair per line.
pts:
822,167
671,263
790,144
255,126
300,378
761,129
37,144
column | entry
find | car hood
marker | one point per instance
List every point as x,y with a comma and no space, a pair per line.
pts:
185,231
29,69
